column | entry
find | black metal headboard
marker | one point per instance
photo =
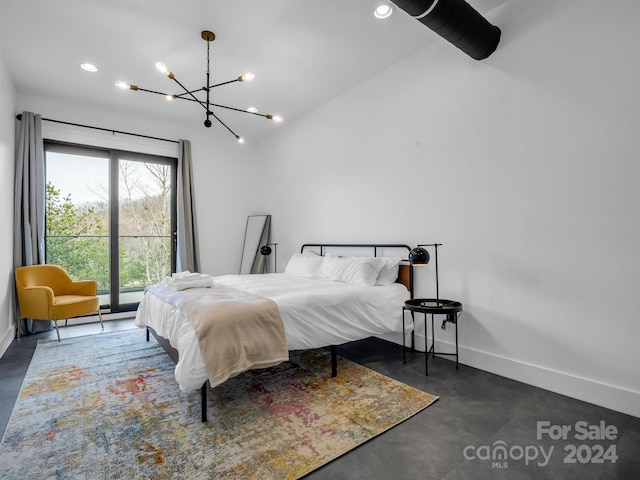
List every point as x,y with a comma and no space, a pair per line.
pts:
405,272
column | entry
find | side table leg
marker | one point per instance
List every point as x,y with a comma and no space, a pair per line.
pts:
426,347
404,347
457,340
413,332
334,360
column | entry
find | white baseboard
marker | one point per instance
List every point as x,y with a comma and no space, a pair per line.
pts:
7,338
94,318
607,396
10,334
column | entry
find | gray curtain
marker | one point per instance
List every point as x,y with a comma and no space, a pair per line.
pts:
29,200
188,256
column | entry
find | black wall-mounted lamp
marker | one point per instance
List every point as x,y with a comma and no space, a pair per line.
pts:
420,256
266,250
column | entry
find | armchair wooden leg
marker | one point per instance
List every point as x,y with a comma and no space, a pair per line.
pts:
100,317
19,327
55,322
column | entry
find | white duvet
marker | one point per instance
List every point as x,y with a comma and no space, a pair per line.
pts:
315,312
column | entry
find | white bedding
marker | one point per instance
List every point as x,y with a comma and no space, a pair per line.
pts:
315,312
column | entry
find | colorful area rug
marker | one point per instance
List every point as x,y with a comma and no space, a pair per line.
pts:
108,406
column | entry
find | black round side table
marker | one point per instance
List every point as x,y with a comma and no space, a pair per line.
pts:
434,306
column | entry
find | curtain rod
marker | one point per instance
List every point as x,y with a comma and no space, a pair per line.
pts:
19,117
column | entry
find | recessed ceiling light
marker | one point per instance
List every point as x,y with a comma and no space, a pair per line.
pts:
88,67
383,11
252,110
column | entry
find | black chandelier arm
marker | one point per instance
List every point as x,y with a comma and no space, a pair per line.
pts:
225,83
170,95
195,99
240,110
140,89
209,112
228,108
181,95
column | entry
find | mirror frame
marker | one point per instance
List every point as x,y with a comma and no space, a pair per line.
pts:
256,236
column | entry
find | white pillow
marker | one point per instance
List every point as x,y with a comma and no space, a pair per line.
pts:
356,270
388,270
304,265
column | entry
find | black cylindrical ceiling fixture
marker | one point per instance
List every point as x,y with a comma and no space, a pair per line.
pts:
457,22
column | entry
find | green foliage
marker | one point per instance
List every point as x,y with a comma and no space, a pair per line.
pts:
76,238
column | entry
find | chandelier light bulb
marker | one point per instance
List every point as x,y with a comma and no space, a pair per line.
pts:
163,68
170,97
239,139
247,77
125,86
252,110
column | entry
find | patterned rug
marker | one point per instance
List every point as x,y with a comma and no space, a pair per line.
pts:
107,406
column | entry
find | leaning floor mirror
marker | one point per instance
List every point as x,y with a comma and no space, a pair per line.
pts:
256,236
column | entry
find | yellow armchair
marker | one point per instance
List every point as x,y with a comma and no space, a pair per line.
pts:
47,292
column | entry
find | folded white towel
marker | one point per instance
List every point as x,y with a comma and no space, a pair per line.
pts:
186,274
192,280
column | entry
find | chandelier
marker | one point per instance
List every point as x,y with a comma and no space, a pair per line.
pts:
190,95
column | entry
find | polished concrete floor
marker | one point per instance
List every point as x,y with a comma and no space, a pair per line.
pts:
482,427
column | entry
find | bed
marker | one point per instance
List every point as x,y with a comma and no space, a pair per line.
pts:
329,294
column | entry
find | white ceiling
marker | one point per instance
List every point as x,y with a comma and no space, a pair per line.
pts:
303,52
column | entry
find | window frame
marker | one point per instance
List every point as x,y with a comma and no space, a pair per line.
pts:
114,155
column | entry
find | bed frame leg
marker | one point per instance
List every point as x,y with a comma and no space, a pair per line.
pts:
334,361
203,400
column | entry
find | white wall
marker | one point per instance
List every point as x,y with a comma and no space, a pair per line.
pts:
524,165
7,153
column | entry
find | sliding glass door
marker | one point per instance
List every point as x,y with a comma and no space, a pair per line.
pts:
145,225
110,217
